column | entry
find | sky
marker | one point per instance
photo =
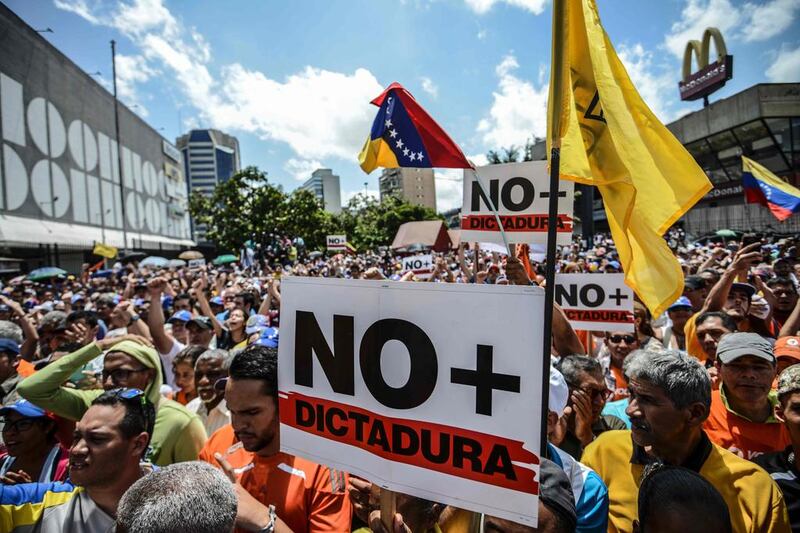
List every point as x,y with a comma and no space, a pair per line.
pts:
292,80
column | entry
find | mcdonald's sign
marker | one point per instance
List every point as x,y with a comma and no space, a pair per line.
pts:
709,76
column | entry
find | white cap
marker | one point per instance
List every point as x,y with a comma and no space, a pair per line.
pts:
559,392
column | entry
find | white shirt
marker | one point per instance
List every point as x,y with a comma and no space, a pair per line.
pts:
217,418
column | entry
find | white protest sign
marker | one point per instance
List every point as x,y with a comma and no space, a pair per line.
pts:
337,242
420,265
429,389
196,263
596,302
521,193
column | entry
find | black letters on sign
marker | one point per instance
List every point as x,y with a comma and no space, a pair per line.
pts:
337,365
528,194
424,366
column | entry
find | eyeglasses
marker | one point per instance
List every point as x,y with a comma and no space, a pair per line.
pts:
605,394
616,339
23,424
121,374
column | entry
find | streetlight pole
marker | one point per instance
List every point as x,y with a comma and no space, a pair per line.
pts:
119,146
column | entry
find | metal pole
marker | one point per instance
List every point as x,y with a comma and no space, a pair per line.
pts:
119,146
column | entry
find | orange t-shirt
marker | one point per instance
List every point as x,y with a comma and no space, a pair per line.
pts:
620,384
224,441
741,436
181,398
25,368
309,497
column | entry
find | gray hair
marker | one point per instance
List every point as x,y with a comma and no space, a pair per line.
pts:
9,330
572,366
213,355
680,376
191,496
54,319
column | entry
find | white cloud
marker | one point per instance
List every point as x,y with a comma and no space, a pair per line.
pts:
519,109
131,71
301,169
657,87
786,66
318,113
348,195
449,188
429,87
483,6
768,19
698,15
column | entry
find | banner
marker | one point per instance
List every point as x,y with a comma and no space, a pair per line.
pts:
337,242
196,263
377,380
421,265
596,302
521,193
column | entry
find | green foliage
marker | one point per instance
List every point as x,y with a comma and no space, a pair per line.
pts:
247,206
511,154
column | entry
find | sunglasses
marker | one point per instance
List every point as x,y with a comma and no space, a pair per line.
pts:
616,339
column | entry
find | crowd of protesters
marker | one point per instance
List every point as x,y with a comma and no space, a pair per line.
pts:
144,399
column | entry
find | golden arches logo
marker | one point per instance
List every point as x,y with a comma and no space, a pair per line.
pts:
701,51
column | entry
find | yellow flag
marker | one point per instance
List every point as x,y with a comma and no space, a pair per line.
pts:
609,138
104,250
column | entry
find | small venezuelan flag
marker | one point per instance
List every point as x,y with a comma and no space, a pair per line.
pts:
404,135
763,187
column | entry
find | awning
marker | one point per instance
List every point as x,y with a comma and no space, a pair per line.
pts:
27,231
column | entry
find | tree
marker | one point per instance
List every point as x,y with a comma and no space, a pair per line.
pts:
304,216
511,154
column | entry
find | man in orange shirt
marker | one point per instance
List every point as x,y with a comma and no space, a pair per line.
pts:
620,344
742,415
280,492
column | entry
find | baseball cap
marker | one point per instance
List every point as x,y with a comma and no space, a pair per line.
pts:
182,316
256,323
735,345
682,302
24,408
559,392
787,347
555,491
268,338
77,298
9,345
200,321
745,287
216,300
692,283
614,264
789,380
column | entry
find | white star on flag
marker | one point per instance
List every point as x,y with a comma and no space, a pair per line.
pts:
413,155
393,133
388,123
399,143
405,152
419,156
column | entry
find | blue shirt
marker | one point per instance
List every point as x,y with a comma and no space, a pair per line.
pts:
591,494
617,409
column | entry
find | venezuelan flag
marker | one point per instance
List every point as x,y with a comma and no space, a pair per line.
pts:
404,135
763,187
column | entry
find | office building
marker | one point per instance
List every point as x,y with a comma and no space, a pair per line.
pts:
325,186
65,181
416,185
210,157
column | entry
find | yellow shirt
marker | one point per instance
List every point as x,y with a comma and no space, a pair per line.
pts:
754,501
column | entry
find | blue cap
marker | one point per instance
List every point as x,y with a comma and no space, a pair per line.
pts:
268,338
77,297
9,345
256,323
182,316
24,408
614,264
682,302
216,300
166,302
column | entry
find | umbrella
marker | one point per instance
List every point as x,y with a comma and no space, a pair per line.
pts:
46,273
175,263
17,280
131,256
190,254
726,233
315,255
154,261
225,259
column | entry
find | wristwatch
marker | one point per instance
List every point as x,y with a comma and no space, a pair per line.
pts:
134,318
270,527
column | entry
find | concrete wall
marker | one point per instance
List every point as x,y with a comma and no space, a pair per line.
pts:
59,160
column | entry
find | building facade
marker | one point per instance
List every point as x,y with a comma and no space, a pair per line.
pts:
416,185
325,186
210,157
65,181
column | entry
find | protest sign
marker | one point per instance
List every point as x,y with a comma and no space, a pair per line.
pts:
196,263
337,242
432,390
420,265
520,191
596,302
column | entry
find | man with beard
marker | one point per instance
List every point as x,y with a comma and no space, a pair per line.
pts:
670,397
279,491
210,405
104,460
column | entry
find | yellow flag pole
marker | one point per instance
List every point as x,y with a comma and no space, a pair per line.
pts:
556,105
